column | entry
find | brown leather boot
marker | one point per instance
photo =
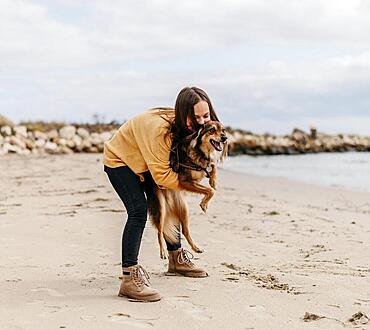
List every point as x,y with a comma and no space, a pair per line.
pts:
180,264
135,285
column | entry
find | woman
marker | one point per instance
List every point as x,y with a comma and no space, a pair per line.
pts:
142,147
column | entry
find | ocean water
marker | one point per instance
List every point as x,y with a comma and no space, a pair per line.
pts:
347,170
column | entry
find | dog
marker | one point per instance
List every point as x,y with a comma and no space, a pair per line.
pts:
194,159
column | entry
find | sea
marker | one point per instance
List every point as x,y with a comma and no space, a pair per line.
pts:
350,170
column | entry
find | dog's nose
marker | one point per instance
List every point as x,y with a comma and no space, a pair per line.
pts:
223,138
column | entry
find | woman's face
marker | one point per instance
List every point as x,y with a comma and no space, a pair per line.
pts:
201,113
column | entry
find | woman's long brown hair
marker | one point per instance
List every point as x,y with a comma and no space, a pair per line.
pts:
184,108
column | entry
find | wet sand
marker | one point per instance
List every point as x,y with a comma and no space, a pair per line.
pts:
275,250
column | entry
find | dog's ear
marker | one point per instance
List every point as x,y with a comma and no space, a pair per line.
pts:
195,137
190,137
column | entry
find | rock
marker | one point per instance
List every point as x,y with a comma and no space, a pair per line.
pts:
51,147
93,150
299,135
70,144
105,136
62,142
67,132
21,130
95,139
3,151
5,121
16,141
77,140
84,146
11,148
30,144
6,130
83,132
53,134
40,143
66,150
40,135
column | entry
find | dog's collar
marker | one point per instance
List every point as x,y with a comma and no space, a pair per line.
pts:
195,167
190,165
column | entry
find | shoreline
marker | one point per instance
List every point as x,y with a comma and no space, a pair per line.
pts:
275,250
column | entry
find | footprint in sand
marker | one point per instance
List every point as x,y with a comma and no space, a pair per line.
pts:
259,311
127,319
51,292
196,312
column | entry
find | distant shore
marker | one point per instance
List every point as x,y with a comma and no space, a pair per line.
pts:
54,138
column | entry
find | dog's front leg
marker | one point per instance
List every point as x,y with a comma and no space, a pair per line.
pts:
197,188
212,177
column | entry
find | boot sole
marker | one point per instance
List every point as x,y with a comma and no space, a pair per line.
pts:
186,274
133,299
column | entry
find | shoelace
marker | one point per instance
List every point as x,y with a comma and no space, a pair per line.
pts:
184,257
140,276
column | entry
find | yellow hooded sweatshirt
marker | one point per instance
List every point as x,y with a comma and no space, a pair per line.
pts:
142,144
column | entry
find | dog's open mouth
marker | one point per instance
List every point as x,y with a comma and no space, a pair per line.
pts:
217,145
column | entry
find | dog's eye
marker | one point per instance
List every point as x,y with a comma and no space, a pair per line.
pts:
212,130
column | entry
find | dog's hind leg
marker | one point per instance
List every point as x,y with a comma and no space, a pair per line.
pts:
182,211
162,217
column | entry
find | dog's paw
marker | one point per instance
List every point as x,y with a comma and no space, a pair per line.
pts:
197,249
204,207
164,254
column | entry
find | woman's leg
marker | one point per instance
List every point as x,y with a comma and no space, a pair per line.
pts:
175,246
131,191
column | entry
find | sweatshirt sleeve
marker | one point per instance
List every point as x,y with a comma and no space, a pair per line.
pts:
156,153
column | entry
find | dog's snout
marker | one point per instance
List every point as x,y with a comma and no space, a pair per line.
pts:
223,138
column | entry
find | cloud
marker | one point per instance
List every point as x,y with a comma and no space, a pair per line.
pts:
271,62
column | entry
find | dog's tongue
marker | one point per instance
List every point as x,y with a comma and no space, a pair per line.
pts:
217,145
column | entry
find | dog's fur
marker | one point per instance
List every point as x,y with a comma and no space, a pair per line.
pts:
194,158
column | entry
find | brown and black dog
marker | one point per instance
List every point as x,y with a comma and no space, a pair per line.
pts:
194,158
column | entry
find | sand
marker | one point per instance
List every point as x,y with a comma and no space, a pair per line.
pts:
280,254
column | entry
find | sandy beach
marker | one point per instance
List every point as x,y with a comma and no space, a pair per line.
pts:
275,250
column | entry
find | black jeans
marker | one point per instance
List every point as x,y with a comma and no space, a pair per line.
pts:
131,191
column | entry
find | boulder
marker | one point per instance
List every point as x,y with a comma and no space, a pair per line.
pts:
51,147
53,134
6,130
16,141
83,132
11,148
105,136
67,132
40,135
21,130
40,143
5,121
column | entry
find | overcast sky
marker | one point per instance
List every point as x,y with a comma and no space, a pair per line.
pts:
268,66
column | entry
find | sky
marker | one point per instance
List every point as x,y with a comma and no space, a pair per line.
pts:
268,66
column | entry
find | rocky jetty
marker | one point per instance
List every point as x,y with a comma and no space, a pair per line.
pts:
61,139
66,140
298,142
